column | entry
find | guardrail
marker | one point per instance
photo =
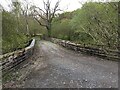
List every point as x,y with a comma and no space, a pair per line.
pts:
10,60
104,53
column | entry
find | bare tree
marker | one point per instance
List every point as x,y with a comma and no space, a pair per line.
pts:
16,10
25,11
45,16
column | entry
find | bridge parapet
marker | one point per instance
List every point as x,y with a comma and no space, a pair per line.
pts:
98,51
10,60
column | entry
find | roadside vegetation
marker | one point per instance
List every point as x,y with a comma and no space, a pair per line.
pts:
14,34
93,24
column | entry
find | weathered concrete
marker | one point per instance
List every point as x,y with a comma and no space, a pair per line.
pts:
58,67
10,60
97,50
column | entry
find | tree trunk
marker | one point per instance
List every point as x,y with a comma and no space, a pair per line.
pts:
27,28
49,30
49,33
17,24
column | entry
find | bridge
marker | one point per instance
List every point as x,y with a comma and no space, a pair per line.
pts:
53,66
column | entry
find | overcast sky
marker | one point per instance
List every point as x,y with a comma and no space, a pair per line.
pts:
66,5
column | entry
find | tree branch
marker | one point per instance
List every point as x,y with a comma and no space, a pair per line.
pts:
40,9
55,9
39,22
41,16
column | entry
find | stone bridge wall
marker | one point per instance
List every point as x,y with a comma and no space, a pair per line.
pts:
10,60
109,54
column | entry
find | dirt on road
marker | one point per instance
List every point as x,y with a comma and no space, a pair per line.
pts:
57,67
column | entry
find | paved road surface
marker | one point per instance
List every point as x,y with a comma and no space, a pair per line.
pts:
58,67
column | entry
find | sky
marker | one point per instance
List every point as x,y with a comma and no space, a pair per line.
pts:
66,5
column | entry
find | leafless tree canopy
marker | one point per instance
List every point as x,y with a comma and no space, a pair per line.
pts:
45,16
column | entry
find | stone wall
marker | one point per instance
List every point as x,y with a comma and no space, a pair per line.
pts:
101,52
10,60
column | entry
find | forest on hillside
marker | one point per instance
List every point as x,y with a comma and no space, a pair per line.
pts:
94,24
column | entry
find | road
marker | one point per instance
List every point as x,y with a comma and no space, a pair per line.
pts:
58,67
